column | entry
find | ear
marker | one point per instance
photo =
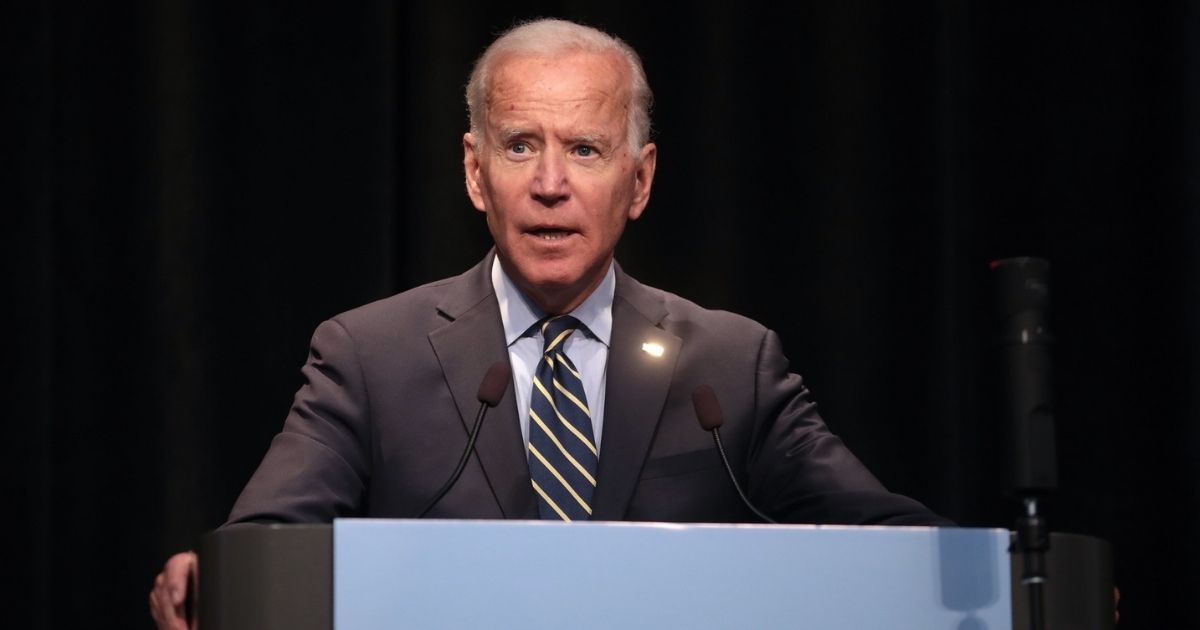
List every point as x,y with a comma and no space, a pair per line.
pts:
643,175
472,167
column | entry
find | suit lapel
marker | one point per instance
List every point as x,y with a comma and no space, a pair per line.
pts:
466,347
636,391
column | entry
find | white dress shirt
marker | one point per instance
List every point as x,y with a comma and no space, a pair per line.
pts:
588,351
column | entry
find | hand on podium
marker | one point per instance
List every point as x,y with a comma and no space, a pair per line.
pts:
169,598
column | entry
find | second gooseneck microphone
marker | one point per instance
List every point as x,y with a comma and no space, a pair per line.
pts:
708,412
491,390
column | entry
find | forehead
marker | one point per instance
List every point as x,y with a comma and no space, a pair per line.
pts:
575,84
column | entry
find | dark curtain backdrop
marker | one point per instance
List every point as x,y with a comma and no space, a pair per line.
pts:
192,186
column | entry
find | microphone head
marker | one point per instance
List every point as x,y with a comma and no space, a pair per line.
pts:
491,389
708,409
1021,290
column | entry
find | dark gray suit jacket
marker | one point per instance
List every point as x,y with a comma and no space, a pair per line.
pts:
390,391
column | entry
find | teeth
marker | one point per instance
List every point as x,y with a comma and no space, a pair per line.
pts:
552,236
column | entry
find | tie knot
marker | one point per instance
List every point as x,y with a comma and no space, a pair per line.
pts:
555,331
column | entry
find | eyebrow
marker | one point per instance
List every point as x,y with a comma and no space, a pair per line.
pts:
513,133
588,138
516,133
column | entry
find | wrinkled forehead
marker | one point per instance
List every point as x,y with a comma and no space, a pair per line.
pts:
574,76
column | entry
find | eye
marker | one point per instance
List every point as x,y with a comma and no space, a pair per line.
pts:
519,148
585,151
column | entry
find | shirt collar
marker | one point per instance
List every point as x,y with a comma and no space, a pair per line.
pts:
519,313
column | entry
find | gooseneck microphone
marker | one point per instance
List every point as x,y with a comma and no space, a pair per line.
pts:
491,390
708,412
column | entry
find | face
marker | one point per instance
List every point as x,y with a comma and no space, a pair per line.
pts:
555,173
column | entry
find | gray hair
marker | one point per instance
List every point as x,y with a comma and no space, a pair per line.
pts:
548,38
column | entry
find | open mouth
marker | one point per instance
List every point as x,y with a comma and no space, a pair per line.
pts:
550,234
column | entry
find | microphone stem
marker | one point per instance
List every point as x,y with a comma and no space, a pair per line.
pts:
1033,541
462,461
729,469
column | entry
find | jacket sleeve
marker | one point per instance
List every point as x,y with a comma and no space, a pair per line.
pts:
800,472
318,466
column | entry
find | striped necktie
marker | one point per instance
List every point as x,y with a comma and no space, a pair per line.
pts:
562,451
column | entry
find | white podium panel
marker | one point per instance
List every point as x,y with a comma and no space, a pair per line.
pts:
532,574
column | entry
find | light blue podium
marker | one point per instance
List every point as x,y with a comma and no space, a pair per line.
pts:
542,575
364,574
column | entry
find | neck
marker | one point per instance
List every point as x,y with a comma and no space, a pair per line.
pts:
558,300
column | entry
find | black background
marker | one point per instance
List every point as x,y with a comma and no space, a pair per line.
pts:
190,187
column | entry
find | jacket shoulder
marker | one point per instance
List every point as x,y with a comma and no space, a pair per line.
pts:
688,319
414,310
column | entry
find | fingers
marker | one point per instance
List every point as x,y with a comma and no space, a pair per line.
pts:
166,616
170,590
176,574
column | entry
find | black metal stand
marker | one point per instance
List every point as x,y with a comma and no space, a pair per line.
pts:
1032,541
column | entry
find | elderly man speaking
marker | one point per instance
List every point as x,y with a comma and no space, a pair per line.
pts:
598,419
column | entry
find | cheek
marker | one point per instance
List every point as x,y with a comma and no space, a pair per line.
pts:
505,192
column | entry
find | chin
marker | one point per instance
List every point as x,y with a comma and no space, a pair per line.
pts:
541,269
550,273
553,280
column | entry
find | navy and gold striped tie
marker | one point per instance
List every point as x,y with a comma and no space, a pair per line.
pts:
562,451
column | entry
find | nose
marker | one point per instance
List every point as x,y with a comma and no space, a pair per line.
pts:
550,185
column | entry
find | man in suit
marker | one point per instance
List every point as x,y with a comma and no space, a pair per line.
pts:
559,160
